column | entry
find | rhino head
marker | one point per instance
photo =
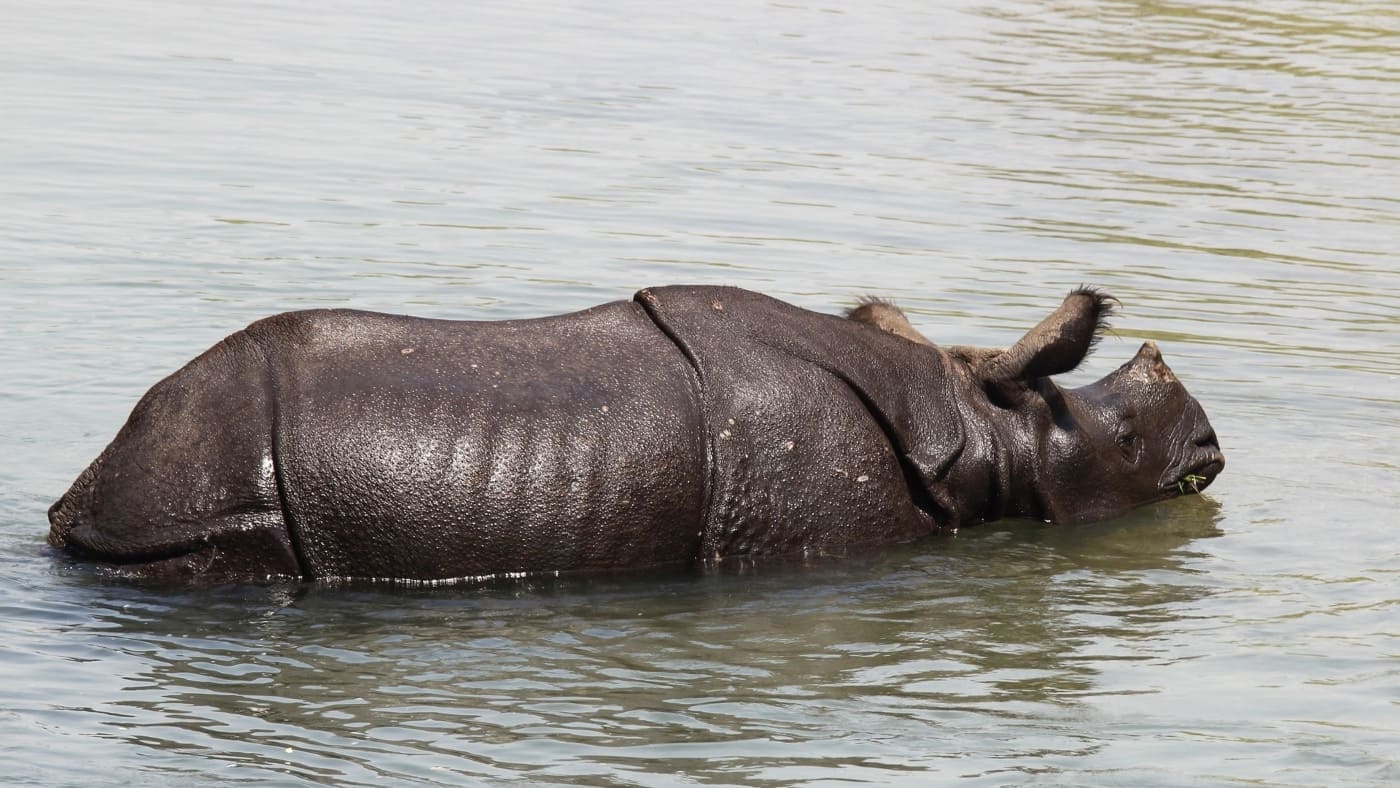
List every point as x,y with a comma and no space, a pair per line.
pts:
1133,437
1077,455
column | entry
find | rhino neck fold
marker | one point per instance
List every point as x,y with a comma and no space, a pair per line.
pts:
922,481
1015,459
993,476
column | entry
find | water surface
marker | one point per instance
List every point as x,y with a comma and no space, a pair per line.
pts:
1229,170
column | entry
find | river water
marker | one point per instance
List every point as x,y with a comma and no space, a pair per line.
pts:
1229,169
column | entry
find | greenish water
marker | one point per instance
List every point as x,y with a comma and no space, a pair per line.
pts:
1229,170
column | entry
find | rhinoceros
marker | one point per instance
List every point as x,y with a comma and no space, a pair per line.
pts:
688,425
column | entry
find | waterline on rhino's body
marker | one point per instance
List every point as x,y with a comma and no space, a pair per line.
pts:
376,463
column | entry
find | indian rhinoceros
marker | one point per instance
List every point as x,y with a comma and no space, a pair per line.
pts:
685,426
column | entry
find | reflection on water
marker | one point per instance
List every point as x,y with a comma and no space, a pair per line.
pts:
767,674
1227,169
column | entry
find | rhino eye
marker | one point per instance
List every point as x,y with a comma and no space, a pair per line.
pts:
1131,445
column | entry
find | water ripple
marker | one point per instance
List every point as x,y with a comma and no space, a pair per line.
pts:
1227,169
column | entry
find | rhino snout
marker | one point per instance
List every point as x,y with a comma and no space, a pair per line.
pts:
1203,463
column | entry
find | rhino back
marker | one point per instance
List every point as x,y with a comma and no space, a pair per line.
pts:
416,448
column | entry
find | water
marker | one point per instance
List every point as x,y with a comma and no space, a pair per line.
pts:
1230,170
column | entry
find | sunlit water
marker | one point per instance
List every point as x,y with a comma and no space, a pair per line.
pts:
1230,170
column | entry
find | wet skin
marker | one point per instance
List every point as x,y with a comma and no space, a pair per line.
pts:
687,425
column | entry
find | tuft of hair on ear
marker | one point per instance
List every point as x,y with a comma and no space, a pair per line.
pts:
1105,308
1057,344
867,301
884,315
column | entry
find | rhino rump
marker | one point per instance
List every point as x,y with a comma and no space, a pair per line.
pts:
188,487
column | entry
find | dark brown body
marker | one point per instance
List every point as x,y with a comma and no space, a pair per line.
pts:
686,425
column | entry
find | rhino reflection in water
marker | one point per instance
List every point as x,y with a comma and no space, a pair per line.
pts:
688,425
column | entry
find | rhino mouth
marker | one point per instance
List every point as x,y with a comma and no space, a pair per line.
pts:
1196,478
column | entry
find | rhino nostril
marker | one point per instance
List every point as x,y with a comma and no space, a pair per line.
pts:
1208,441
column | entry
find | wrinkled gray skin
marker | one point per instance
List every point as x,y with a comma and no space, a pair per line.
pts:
688,425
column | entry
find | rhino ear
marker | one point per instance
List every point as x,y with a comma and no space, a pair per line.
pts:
1057,344
887,317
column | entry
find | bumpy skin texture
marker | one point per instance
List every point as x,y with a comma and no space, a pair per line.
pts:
690,424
